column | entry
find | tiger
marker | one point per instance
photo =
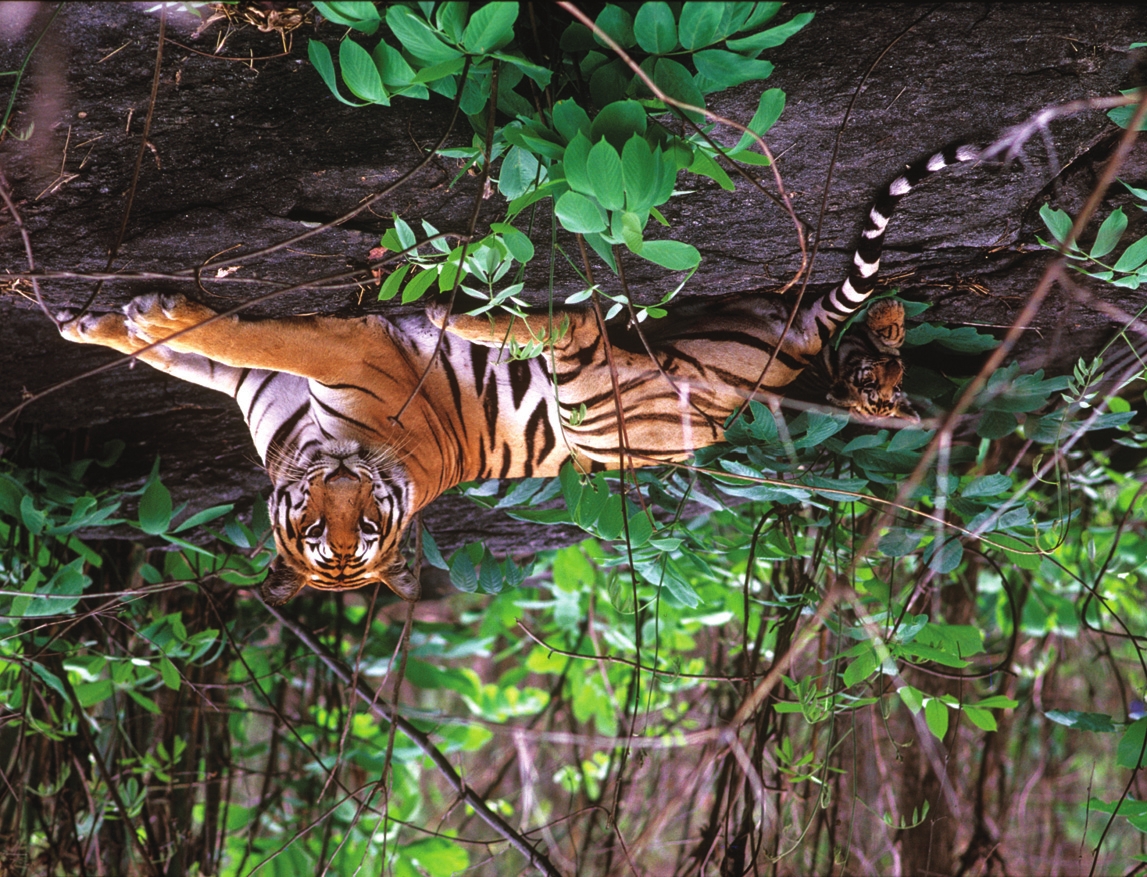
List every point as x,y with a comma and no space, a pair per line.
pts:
322,396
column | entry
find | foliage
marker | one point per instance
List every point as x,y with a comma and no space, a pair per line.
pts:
1129,271
605,158
736,667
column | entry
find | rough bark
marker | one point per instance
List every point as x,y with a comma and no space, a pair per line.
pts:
242,155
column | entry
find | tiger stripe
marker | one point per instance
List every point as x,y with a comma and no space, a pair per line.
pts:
321,396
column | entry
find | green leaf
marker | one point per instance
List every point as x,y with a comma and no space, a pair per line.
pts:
861,668
761,13
1128,754
451,18
155,508
393,282
704,165
936,717
769,109
361,74
417,287
320,58
518,173
204,516
700,24
11,495
981,718
570,119
617,24
462,572
362,16
1099,722
1133,257
35,520
169,673
913,698
490,579
988,485
675,584
1122,116
417,37
655,28
770,38
674,255
944,555
579,214
49,678
437,855
627,226
439,74
577,38
899,541
520,246
575,163
1109,233
392,67
964,339
997,701
639,173
618,121
677,82
1057,222
490,27
609,83
603,166
144,701
727,69
996,424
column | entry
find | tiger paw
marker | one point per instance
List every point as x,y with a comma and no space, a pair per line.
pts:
885,321
437,312
110,330
159,315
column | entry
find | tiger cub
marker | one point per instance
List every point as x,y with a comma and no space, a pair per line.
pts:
322,396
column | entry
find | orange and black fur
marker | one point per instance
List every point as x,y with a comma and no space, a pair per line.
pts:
320,396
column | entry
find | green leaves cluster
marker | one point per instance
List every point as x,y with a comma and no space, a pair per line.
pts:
436,45
1129,271
484,263
606,171
245,567
42,509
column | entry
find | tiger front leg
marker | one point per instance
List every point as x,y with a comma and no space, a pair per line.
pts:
322,348
118,332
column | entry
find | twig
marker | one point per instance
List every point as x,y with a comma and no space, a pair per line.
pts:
384,710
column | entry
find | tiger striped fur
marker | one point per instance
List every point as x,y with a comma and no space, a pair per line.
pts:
320,396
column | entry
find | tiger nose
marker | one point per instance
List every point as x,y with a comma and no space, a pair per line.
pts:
342,473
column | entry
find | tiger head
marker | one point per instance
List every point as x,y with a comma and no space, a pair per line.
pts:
338,520
870,386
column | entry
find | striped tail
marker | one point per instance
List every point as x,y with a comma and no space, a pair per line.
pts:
843,301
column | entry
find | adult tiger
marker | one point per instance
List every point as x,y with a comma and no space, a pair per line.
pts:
320,396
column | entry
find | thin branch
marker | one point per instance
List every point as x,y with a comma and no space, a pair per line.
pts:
380,707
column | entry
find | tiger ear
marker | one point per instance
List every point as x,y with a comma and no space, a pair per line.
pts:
404,584
281,584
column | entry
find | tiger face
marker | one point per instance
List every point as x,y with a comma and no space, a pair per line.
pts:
338,525
870,386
